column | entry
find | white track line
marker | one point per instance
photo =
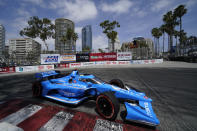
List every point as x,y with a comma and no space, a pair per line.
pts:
21,115
105,125
58,122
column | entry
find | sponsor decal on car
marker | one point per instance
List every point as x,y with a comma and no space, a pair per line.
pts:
147,109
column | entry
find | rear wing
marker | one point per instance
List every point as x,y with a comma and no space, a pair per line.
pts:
45,74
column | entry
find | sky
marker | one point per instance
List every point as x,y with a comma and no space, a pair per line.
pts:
136,17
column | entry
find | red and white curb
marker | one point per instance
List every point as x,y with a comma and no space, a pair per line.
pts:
32,117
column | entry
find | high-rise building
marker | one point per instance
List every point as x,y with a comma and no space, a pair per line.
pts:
24,48
117,45
2,40
87,37
61,27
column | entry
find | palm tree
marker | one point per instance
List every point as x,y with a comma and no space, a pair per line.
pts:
75,38
109,30
176,34
153,32
179,12
170,23
163,29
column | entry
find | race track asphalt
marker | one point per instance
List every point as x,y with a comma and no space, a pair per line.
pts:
173,90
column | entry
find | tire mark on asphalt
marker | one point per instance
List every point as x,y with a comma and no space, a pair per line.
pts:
175,119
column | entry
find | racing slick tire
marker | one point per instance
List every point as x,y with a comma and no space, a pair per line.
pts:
107,105
37,89
117,82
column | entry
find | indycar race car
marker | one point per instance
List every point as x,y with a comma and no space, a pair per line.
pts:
74,88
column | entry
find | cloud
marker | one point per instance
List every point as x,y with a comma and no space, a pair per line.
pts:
122,6
37,2
161,4
78,30
138,12
50,42
77,10
79,41
100,41
190,3
2,3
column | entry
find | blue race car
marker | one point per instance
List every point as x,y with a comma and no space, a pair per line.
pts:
74,88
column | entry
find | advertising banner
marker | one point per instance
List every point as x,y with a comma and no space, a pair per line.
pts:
124,56
50,58
7,69
73,65
103,57
63,65
67,58
87,63
82,57
26,68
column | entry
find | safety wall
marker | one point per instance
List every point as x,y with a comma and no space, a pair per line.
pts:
34,68
76,65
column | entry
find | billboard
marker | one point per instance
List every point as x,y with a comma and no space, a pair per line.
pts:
67,58
82,57
50,58
103,57
124,56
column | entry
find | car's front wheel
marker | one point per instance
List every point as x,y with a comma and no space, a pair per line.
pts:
37,89
107,105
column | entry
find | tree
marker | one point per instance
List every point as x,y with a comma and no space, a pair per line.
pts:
42,28
179,12
100,50
170,22
70,35
86,49
156,33
163,30
176,34
109,30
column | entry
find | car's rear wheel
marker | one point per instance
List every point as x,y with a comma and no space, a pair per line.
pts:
107,105
117,82
37,89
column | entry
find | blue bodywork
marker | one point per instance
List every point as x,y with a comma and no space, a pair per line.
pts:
75,87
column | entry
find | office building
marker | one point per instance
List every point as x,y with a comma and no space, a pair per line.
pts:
2,40
24,49
61,27
87,37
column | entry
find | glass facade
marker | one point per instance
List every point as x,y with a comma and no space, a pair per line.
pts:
2,39
61,27
87,37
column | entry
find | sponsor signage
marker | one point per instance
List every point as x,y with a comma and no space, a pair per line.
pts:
63,65
103,57
67,58
124,56
26,68
72,65
82,57
50,58
87,63
7,69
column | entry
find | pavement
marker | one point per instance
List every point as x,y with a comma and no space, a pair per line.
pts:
171,85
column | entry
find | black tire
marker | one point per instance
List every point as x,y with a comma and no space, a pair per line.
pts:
117,82
37,89
107,105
